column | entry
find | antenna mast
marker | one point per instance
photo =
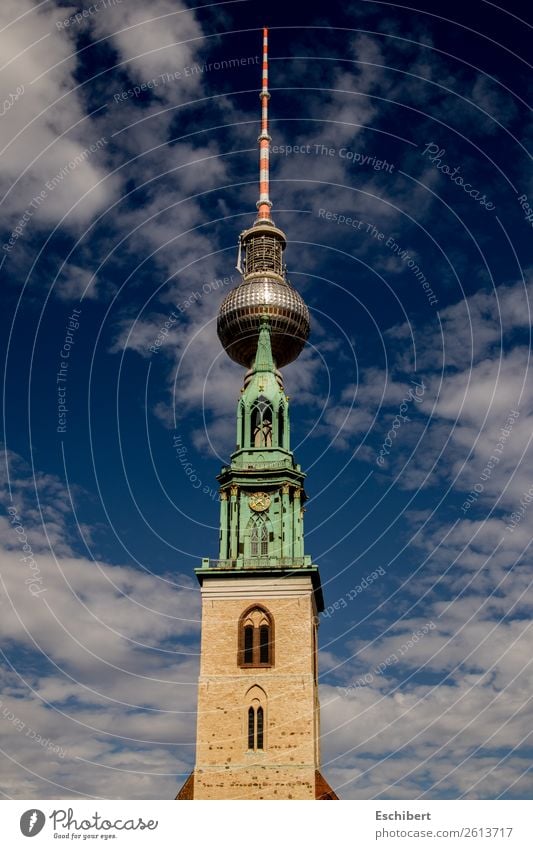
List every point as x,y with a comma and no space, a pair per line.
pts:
264,204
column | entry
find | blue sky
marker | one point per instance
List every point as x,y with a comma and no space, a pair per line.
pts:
400,174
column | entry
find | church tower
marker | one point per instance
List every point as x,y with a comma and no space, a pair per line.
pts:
258,710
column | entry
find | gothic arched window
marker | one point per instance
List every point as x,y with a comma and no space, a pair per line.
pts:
258,537
255,719
251,728
256,638
281,425
259,724
262,423
248,643
241,418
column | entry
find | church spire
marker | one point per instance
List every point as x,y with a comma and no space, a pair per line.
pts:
263,358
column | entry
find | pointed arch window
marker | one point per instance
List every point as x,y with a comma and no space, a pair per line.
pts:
281,425
262,423
259,728
255,719
256,725
251,728
264,643
248,644
259,537
241,419
256,638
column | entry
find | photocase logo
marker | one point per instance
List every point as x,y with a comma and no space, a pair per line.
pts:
32,822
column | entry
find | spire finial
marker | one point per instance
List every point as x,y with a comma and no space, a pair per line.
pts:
264,204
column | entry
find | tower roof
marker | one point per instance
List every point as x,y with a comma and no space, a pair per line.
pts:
264,379
263,358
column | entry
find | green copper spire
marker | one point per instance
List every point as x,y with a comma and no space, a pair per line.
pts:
262,413
264,360
262,495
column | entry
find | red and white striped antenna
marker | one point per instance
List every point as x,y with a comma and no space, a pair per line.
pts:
264,204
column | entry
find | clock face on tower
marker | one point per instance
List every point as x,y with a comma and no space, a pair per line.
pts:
259,501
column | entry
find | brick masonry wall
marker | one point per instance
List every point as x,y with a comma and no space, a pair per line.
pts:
285,769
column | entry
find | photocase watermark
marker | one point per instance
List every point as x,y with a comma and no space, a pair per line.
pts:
436,155
517,515
50,185
78,17
34,582
11,99
183,73
369,677
183,306
73,163
340,218
412,396
353,156
189,470
30,732
526,208
370,229
354,592
391,243
96,822
62,375
493,461
32,822
163,333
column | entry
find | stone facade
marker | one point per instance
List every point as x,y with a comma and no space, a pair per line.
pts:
285,767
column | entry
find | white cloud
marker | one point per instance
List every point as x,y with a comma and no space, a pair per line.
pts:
76,282
486,379
46,133
116,651
163,37
392,735
449,716
472,327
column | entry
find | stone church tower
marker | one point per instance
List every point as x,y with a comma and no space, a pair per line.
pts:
258,722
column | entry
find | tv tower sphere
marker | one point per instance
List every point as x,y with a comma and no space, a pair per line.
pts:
264,291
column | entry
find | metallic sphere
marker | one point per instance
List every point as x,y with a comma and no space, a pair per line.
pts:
240,316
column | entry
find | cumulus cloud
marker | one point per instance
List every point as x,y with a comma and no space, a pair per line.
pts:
473,327
439,704
48,136
154,40
447,714
479,407
115,650
76,282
